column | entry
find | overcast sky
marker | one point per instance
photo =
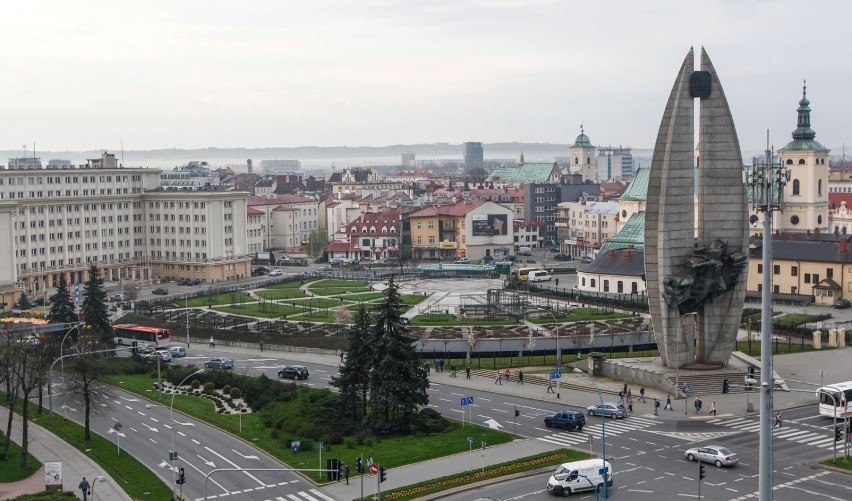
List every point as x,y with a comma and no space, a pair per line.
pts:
191,74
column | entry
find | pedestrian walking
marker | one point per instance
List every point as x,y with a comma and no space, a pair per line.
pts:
556,282
370,465
346,473
520,376
697,404
499,379
442,365
86,488
630,404
452,370
778,421
668,403
261,346
624,390
212,344
713,408
467,372
550,386
437,365
700,403
621,397
508,374
642,394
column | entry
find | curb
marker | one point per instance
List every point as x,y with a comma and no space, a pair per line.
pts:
816,463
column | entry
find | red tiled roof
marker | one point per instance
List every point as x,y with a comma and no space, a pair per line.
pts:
277,199
253,212
456,209
834,199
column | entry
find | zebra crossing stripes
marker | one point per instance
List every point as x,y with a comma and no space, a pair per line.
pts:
613,427
815,438
314,495
694,437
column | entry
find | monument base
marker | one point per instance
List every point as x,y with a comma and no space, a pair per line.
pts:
702,379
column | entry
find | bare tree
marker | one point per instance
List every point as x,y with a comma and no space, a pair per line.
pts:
85,383
130,289
6,364
29,365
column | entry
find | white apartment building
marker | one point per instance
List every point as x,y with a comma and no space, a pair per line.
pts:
194,175
589,224
62,219
287,220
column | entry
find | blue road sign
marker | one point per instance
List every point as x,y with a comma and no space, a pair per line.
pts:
602,471
466,401
470,440
687,388
556,375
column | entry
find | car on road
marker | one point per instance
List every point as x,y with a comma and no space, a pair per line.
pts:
463,260
144,349
586,259
325,268
219,363
118,298
177,351
716,454
611,409
842,304
579,476
293,372
183,281
259,271
561,257
276,273
554,249
570,420
164,356
160,291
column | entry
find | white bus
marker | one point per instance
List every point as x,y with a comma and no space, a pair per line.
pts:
842,393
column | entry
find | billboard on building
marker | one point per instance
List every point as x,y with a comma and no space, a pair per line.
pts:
486,225
341,238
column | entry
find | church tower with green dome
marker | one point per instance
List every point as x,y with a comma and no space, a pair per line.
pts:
806,195
582,155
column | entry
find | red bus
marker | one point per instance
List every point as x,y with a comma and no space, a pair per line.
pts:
157,337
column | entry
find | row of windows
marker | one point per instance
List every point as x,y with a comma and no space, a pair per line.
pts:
634,286
33,180
58,193
809,278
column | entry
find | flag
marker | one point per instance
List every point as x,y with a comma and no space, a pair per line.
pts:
76,291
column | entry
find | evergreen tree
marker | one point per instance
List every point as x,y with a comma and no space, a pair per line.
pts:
397,385
61,308
94,307
23,302
354,379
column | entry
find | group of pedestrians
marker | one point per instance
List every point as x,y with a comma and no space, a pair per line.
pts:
506,374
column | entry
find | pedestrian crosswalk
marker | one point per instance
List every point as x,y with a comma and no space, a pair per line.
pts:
306,495
594,427
695,437
823,440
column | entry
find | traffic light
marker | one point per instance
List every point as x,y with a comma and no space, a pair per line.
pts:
517,412
838,433
358,466
726,386
181,479
701,470
173,455
133,346
382,474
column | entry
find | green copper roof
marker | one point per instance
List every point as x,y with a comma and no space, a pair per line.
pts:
638,188
582,140
526,173
633,233
803,136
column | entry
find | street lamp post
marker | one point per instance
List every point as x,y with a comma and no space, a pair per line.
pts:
173,454
694,315
94,482
603,427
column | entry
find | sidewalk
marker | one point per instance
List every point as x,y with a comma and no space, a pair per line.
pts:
46,446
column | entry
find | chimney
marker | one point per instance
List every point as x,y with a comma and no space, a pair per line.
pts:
816,231
843,246
809,232
625,252
610,252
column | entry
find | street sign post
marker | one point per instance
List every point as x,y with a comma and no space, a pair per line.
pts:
555,375
466,402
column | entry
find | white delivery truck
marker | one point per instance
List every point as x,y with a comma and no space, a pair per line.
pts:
524,251
579,476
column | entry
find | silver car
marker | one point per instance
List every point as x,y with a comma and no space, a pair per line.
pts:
716,454
611,409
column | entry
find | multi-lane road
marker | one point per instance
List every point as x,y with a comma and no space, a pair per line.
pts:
646,451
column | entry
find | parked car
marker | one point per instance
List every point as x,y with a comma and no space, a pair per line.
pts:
276,273
554,249
586,259
194,281
164,356
177,351
610,409
160,291
325,268
716,454
463,260
561,257
183,281
842,304
118,297
219,363
293,372
260,270
145,349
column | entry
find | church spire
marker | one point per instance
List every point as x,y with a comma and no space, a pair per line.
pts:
803,127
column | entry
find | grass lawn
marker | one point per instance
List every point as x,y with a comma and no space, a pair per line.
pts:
334,291
842,462
579,315
254,310
138,481
315,316
519,465
778,348
412,299
319,302
365,296
10,465
288,293
338,283
441,319
394,451
792,320
224,298
295,284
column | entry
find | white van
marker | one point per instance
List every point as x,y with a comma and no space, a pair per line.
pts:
524,251
580,476
539,276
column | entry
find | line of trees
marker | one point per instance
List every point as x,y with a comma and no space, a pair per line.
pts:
24,364
381,383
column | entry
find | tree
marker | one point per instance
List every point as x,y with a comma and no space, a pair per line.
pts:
354,379
131,290
29,369
317,240
477,175
23,302
61,308
85,383
95,307
397,384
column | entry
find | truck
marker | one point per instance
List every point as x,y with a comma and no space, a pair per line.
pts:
579,476
570,420
524,251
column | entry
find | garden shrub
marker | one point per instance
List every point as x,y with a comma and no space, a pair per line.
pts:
235,393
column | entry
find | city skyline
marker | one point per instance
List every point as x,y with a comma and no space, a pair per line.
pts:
191,75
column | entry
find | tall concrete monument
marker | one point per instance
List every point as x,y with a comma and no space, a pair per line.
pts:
696,255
